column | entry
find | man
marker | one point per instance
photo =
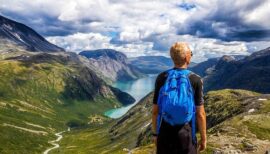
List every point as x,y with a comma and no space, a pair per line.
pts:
177,139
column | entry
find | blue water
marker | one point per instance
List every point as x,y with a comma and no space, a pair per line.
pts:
137,89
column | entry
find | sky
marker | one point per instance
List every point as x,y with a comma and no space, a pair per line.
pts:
142,27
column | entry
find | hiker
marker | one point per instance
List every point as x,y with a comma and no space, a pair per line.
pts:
178,106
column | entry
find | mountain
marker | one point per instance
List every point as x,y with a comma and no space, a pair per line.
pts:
41,94
204,67
113,64
251,73
19,34
153,64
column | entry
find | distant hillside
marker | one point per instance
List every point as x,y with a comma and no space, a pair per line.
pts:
153,64
112,64
251,73
204,67
19,34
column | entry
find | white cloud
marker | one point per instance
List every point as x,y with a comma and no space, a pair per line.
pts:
81,41
144,27
202,48
91,41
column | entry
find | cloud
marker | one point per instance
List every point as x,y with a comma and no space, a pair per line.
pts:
148,27
229,20
203,48
89,41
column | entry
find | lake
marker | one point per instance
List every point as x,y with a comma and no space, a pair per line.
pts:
137,89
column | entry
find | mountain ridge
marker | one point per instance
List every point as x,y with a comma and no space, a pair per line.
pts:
24,36
250,73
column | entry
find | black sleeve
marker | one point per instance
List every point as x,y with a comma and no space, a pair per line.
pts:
198,90
158,84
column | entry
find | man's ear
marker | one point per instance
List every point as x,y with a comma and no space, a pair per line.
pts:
187,61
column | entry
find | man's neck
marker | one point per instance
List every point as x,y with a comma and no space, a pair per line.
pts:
183,66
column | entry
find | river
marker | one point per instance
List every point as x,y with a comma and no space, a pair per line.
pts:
137,89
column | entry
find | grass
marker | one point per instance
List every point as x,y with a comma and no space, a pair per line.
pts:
223,104
36,93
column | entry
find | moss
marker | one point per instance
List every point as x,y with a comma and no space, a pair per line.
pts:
261,130
224,104
265,107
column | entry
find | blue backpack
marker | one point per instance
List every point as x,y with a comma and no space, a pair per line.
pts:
176,100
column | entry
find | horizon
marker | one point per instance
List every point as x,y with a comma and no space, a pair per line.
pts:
148,28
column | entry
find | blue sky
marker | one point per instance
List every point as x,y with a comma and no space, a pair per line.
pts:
143,27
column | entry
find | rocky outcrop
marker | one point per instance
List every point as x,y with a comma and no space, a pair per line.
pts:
112,64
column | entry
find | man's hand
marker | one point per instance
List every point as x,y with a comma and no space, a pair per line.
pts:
155,140
201,145
201,120
154,122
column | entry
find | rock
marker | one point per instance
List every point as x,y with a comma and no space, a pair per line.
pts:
125,149
248,146
217,151
251,110
262,99
217,133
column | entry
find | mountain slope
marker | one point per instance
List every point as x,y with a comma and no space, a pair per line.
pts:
204,67
41,94
21,35
115,136
112,64
251,73
151,64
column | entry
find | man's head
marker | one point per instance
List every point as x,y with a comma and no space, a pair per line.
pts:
180,54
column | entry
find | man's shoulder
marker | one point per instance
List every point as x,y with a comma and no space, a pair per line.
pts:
195,77
162,75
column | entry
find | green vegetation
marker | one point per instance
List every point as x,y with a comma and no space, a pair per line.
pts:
45,94
223,104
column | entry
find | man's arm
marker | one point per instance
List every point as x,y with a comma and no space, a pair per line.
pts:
201,120
159,82
154,118
154,122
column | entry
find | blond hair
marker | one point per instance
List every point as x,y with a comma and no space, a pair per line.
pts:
178,53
